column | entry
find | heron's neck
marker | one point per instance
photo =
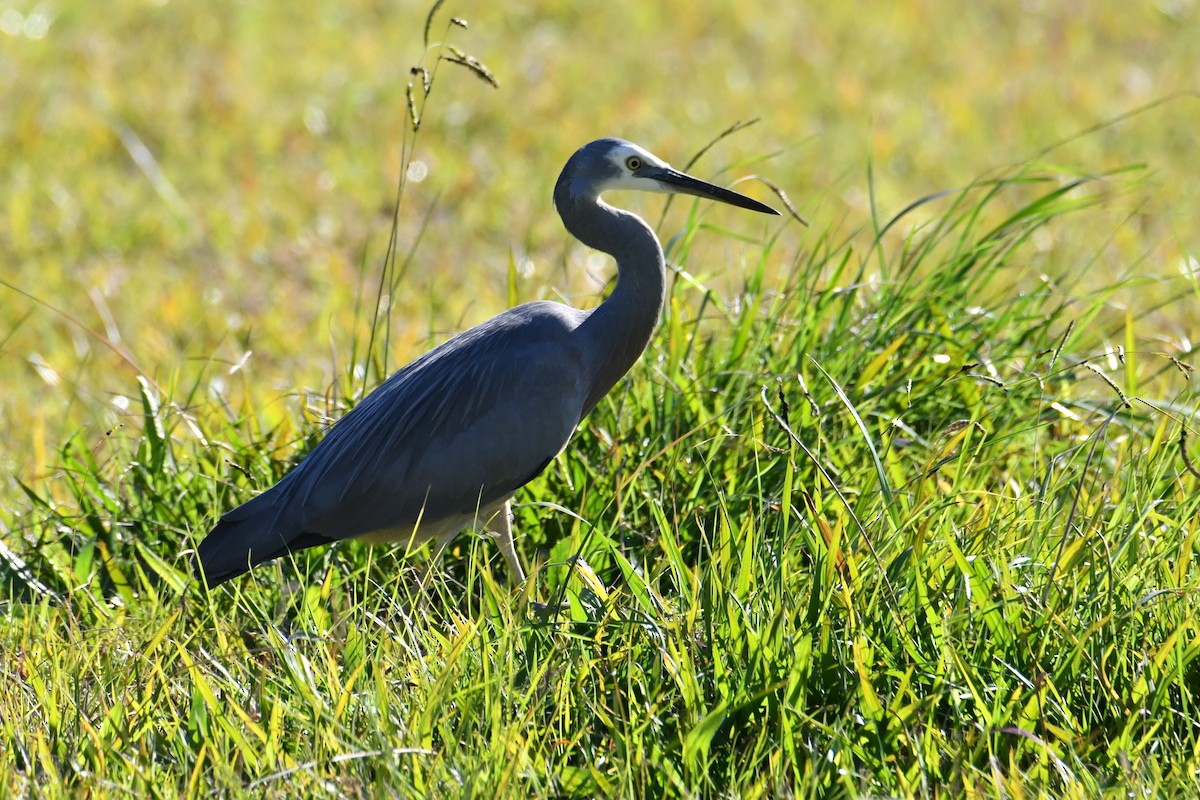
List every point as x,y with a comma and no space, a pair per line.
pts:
615,334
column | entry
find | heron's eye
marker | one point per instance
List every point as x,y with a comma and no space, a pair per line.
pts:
634,163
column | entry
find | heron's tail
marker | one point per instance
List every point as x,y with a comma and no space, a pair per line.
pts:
256,531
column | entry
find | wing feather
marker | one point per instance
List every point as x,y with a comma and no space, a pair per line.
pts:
459,429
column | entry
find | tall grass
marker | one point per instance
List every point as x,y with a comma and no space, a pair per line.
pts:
866,532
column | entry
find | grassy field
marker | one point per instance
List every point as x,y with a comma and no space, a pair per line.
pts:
899,503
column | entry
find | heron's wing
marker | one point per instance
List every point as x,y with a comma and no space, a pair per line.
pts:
455,431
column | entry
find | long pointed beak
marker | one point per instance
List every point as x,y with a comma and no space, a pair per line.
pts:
675,181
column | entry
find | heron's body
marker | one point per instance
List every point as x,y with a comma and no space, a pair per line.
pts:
445,442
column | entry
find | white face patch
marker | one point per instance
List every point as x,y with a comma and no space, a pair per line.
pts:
619,156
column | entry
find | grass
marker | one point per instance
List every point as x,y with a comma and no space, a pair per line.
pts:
895,505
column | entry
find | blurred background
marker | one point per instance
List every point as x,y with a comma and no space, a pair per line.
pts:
201,192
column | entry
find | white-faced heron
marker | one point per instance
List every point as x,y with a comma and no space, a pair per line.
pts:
444,442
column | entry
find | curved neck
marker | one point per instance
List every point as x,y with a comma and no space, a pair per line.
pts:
615,333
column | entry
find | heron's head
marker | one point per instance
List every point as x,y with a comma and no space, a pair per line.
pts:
608,164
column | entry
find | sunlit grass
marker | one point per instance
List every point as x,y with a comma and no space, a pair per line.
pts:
272,136
896,504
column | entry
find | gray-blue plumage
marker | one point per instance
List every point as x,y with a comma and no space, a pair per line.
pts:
444,442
